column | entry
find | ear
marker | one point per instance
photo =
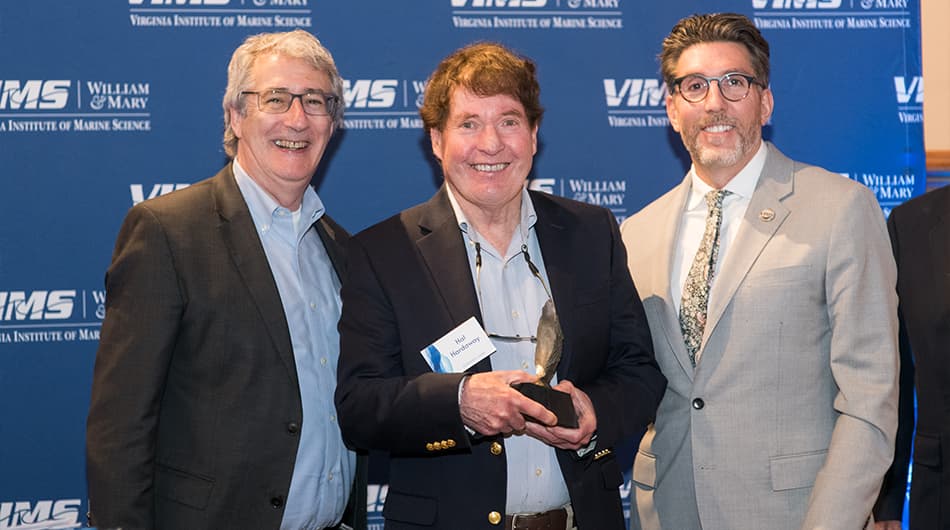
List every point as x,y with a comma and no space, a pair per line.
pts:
672,113
236,121
435,137
534,140
766,106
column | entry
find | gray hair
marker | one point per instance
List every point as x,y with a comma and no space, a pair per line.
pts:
297,44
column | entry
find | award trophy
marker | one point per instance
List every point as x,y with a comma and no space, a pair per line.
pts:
547,354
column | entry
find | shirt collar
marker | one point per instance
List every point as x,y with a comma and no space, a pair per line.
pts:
263,207
742,185
528,215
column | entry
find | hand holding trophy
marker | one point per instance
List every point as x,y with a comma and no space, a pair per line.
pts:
547,355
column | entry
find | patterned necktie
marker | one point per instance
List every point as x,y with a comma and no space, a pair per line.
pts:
696,288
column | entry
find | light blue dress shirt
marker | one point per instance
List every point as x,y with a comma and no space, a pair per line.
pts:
511,297
310,294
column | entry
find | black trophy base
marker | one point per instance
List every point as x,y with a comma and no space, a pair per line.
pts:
554,400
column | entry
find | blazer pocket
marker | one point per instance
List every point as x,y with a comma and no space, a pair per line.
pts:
180,486
644,470
411,509
927,450
796,471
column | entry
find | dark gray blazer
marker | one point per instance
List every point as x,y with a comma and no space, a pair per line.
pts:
195,404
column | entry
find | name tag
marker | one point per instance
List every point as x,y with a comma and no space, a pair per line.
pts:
459,349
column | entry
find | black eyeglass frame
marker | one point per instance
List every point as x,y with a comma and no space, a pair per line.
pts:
750,79
331,100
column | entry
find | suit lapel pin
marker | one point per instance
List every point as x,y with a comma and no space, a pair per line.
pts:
767,215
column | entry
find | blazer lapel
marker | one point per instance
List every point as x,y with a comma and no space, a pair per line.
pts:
559,266
442,248
939,235
660,276
331,234
240,236
765,215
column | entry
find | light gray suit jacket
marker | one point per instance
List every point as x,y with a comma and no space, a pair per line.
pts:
788,419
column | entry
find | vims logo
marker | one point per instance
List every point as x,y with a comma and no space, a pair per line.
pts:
499,3
796,4
636,102
634,92
34,94
370,93
910,99
545,185
382,103
138,191
40,305
179,2
41,515
909,92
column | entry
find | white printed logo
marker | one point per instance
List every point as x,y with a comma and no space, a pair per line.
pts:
796,4
635,92
34,94
43,515
138,191
909,92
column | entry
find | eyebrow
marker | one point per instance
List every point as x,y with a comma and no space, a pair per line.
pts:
507,113
306,90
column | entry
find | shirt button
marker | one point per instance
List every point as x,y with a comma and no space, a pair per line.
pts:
265,228
524,365
514,314
313,305
698,404
330,477
332,417
537,472
323,360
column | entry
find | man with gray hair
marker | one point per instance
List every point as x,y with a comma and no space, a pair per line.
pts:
212,399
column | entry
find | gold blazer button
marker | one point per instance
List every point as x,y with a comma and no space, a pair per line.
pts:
496,448
494,517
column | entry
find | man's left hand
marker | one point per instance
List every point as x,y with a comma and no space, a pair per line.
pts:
561,437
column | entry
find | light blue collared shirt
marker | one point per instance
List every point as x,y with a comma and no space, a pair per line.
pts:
310,294
511,297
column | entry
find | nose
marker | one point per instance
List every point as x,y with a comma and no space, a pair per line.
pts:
714,100
489,141
295,116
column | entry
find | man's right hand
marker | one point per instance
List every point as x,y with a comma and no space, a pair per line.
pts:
490,406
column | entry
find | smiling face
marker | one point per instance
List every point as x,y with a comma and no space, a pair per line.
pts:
720,135
486,148
281,151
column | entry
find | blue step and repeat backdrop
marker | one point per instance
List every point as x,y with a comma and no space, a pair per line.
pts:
105,104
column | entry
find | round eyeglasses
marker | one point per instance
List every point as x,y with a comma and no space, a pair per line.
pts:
733,86
278,101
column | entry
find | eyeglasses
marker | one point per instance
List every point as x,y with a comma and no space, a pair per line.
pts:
478,287
733,86
278,101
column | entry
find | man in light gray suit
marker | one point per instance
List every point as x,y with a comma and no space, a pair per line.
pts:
779,338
